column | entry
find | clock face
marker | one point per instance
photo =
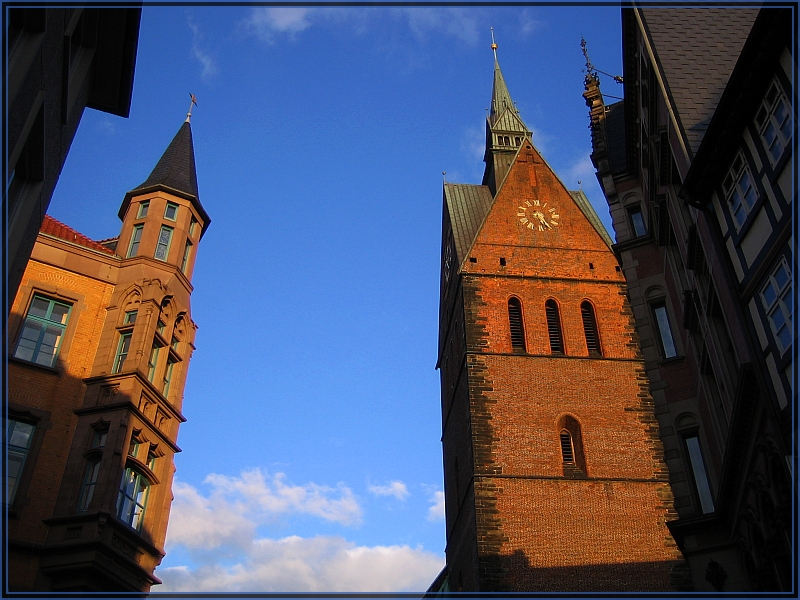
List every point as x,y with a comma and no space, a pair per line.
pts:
538,215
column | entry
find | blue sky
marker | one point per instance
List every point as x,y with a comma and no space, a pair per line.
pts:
311,457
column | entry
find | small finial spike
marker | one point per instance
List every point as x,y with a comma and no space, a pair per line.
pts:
580,185
494,46
192,105
444,179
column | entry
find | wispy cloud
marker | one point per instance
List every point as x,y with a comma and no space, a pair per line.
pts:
528,23
318,564
268,21
473,143
459,22
397,489
436,509
209,65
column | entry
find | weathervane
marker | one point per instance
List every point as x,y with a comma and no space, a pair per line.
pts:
191,106
591,69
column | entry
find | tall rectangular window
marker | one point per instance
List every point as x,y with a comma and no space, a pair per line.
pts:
192,226
187,252
132,499
136,237
122,351
774,122
739,189
637,221
153,362
664,331
89,483
171,212
777,299
43,330
699,474
143,208
19,436
164,239
168,375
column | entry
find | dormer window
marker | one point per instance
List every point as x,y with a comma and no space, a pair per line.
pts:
171,212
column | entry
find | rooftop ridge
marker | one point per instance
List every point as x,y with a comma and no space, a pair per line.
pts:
56,228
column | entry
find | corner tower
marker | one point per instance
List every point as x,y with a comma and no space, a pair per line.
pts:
554,471
103,332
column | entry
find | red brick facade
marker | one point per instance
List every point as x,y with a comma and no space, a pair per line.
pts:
523,515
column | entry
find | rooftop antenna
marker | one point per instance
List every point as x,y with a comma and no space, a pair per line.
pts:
191,106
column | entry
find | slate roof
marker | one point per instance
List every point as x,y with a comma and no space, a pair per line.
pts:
176,169
701,47
50,226
468,205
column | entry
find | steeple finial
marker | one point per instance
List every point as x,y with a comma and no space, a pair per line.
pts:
192,105
494,45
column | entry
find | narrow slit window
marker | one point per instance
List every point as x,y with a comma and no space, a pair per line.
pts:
122,351
187,252
136,237
515,325
554,327
590,329
164,239
567,453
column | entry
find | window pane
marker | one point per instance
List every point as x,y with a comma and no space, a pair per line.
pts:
143,207
665,332
39,307
781,276
769,295
699,472
21,434
59,313
171,211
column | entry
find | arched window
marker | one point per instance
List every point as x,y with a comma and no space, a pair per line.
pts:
590,330
515,325
554,327
571,442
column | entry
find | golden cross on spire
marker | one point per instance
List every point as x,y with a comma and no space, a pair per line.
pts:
494,46
191,106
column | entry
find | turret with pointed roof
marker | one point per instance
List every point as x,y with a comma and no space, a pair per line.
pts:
175,173
505,131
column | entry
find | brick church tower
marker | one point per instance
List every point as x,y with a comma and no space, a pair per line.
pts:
554,472
100,338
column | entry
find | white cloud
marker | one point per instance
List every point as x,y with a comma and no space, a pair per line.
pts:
436,510
236,506
209,66
267,21
318,564
397,489
459,22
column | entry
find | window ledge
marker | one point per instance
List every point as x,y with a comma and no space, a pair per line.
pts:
671,361
27,363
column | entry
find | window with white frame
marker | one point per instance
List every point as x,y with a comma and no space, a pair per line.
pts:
43,331
664,329
132,499
739,189
774,121
777,299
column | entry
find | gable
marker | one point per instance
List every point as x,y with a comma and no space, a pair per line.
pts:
534,210
509,121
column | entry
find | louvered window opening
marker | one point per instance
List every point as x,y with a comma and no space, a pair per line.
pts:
566,448
554,327
515,325
590,329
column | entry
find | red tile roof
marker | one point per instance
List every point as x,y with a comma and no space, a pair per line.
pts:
57,229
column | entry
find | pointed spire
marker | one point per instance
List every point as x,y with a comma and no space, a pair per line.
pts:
176,169
501,99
